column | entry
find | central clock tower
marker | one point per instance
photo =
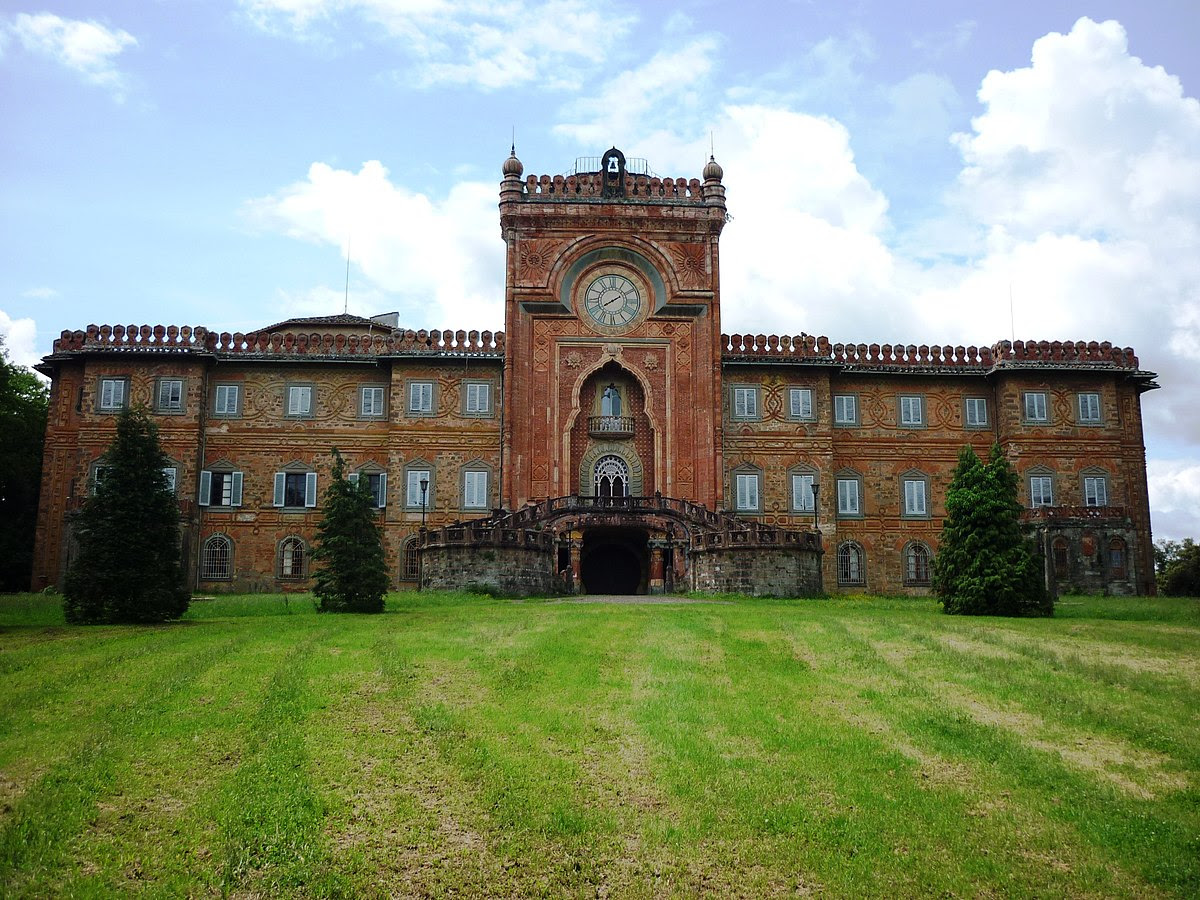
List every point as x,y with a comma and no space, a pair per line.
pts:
612,325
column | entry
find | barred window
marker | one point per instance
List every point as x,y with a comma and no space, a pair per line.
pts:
916,564
411,564
216,559
292,558
851,563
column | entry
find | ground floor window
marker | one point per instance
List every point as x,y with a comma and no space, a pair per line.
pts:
917,560
216,559
411,565
292,558
851,560
1116,558
612,477
1060,553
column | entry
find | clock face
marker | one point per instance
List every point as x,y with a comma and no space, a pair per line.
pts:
612,301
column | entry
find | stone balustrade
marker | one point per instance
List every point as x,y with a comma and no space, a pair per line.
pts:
591,185
1048,514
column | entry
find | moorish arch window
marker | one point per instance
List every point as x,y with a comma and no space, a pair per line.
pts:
216,559
612,477
610,401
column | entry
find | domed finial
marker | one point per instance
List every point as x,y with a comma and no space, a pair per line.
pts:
713,170
512,165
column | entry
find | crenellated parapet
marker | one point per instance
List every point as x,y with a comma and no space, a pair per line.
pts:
569,187
171,338
806,347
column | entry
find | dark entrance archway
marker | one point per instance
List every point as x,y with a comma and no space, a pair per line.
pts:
614,561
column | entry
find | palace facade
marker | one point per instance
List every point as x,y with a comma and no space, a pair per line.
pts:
612,438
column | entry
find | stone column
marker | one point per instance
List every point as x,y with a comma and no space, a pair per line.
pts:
656,566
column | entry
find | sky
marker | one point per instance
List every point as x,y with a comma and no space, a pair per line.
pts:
940,172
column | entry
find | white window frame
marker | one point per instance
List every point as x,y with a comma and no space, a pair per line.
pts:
477,398
802,493
171,473
476,488
745,402
420,400
849,496
1088,405
975,412
113,394
231,490
845,409
800,404
747,491
912,410
1036,406
372,401
207,555
916,496
1041,491
412,487
222,395
279,498
1095,490
299,401
173,387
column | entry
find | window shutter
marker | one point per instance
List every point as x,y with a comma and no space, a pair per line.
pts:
310,489
280,480
205,487
235,498
382,489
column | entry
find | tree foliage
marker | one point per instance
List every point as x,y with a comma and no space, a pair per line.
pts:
127,566
985,564
24,400
1178,567
353,574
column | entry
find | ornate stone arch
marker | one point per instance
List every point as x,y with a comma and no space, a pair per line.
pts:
629,250
620,449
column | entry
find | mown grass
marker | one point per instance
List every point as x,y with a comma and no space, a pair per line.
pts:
465,746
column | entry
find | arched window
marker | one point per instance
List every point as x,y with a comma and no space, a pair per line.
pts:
612,477
216,559
851,563
916,564
610,401
1116,558
292,558
411,566
1060,552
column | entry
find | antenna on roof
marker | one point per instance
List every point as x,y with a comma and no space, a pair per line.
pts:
1012,321
346,301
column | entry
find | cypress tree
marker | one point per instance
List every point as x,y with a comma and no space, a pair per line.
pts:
353,574
985,564
127,566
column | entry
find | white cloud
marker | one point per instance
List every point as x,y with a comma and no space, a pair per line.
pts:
1175,498
20,339
40,293
439,260
482,43
89,48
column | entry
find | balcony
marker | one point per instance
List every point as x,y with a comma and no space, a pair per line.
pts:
1074,513
610,426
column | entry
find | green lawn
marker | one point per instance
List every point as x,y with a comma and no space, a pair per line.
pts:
463,746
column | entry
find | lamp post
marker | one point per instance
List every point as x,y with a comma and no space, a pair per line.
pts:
421,557
816,489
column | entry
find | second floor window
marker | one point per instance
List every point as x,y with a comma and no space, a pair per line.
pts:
220,488
912,411
420,397
1035,407
299,400
479,399
1095,490
845,409
747,491
800,403
745,403
475,490
112,393
1041,491
227,401
976,412
170,395
914,497
848,497
1089,409
370,402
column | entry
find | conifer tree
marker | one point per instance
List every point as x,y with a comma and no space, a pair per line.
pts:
985,564
24,400
127,566
353,574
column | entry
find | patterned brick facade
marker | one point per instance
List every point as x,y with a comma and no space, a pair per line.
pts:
612,379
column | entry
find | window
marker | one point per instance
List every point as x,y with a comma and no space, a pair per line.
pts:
376,483
848,491
220,488
916,564
845,409
227,400
610,478
113,392
295,490
168,398
1089,409
370,401
413,494
169,473
420,399
216,559
475,489
976,412
851,563
1116,558
745,403
299,400
800,403
1060,552
915,490
99,473
477,398
411,565
1095,490
912,411
1035,407
802,492
746,491
1041,490
292,558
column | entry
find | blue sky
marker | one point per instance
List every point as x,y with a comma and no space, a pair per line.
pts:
894,170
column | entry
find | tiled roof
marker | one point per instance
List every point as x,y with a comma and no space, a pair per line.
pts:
339,319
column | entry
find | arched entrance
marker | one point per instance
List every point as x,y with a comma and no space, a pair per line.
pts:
614,561
612,477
